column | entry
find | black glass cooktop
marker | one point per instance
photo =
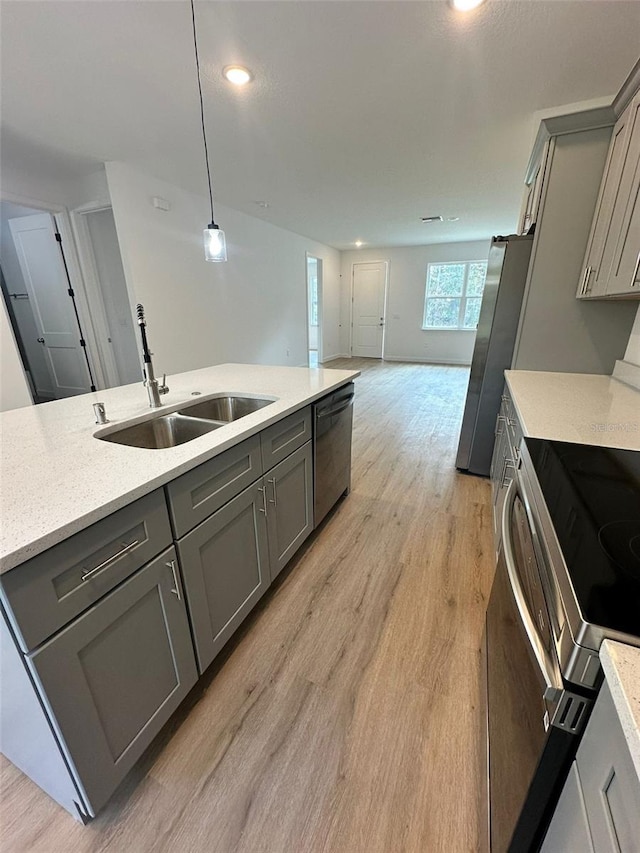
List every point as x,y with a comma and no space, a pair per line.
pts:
593,497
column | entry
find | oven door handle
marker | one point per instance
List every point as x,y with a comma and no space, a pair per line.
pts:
552,681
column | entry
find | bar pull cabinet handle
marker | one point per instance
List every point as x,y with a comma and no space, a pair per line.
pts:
125,548
584,287
263,508
176,586
635,271
273,486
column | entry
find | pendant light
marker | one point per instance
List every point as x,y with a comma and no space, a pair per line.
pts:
215,244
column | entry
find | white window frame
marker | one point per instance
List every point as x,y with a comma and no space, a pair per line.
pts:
463,296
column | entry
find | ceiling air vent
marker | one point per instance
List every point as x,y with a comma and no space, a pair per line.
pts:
432,219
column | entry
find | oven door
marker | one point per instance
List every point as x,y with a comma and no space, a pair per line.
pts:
529,751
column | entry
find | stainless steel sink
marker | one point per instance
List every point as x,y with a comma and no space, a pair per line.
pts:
225,409
161,432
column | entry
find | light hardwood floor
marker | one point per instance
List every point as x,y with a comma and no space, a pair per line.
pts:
346,718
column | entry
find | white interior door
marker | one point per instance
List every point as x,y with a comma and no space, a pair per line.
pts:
46,282
369,290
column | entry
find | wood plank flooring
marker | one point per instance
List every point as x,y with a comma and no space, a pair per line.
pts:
346,717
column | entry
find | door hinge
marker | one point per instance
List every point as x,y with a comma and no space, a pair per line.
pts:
83,343
58,237
70,292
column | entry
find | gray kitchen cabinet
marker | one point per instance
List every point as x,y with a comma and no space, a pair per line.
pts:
50,590
289,491
534,184
285,436
200,492
229,560
610,784
225,565
113,677
569,828
611,263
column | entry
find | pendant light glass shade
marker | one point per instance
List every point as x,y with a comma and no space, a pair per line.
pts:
215,244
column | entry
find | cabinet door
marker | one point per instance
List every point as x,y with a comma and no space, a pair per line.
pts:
225,565
609,781
596,267
569,828
624,276
113,677
290,506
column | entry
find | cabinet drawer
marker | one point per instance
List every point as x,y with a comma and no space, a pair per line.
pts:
199,493
113,677
48,591
281,439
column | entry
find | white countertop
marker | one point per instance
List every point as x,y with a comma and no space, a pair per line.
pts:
576,407
621,664
56,478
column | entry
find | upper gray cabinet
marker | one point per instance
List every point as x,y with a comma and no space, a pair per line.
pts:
534,184
610,268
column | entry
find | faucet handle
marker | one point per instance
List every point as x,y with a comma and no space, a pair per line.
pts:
163,388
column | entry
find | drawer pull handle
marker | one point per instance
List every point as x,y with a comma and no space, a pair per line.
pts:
263,508
635,272
109,560
273,486
176,590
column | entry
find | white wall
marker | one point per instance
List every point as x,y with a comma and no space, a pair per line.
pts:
14,390
251,309
404,337
632,354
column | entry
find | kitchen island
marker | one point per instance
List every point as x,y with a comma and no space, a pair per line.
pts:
126,569
57,478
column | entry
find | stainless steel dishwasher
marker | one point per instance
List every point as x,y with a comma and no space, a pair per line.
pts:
332,424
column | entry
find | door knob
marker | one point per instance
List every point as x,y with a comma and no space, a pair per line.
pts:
40,340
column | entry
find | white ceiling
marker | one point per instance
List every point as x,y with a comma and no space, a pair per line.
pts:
362,118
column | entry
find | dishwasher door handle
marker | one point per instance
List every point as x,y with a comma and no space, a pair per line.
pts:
335,410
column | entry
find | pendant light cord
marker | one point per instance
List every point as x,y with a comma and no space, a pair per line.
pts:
204,133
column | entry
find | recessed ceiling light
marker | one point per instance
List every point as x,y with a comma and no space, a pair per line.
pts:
453,218
465,5
359,243
237,74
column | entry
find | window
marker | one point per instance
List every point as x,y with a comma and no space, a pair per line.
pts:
453,295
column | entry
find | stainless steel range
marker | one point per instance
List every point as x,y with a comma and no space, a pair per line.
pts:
568,576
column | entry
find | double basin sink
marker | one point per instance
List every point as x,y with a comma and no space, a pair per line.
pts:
188,423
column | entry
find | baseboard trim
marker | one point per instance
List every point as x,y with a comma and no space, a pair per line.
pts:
333,357
417,360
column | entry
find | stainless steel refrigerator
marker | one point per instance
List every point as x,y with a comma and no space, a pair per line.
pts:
495,339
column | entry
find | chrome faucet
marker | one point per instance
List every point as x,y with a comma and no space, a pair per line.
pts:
154,388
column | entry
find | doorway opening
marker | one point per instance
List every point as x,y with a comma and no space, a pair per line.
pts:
44,307
314,312
107,294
